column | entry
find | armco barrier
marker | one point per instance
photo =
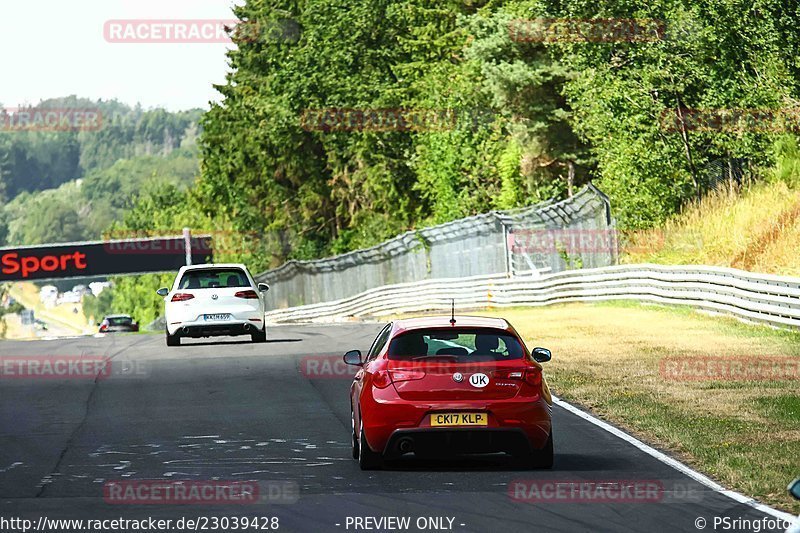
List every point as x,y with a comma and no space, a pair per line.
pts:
468,247
762,298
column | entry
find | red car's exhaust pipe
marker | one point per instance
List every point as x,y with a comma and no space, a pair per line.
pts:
405,445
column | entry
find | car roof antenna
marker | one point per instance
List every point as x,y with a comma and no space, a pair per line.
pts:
453,312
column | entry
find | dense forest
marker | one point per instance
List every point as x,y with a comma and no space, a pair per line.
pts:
58,186
531,115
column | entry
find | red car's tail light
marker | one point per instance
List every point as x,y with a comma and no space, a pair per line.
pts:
247,295
533,376
381,379
384,378
181,296
103,327
406,375
509,374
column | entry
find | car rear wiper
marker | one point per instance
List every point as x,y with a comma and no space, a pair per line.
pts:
435,355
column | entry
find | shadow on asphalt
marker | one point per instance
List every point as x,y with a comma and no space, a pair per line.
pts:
232,342
565,462
494,463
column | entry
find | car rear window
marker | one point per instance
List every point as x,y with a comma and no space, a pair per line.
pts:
120,321
463,344
213,278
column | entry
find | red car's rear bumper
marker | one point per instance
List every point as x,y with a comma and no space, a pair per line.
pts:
523,421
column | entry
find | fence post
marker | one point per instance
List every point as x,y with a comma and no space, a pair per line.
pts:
187,244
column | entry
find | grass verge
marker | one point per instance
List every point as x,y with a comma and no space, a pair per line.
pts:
607,358
757,229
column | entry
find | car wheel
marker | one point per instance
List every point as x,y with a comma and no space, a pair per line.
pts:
539,458
173,340
353,436
259,336
367,459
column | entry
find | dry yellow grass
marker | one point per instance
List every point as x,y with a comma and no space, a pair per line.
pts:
64,315
12,328
781,256
607,357
755,230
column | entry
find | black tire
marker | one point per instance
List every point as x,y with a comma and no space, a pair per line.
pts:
539,459
353,436
173,340
367,459
259,336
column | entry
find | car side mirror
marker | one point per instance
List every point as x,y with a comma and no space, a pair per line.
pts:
353,357
163,291
794,488
541,355
98,323
263,287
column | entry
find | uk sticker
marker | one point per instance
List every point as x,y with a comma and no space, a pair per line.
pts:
479,380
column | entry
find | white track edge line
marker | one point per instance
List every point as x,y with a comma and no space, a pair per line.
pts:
677,465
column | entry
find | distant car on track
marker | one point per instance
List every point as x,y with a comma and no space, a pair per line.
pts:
214,299
117,324
438,386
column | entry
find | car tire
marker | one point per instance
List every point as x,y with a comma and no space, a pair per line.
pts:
173,340
539,459
353,436
367,459
259,336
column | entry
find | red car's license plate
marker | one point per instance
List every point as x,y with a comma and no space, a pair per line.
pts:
459,419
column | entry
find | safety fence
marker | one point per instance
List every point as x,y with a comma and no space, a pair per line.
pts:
763,298
531,240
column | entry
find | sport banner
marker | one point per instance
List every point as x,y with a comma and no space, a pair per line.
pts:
129,256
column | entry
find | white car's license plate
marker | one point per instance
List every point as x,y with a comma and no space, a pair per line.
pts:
216,317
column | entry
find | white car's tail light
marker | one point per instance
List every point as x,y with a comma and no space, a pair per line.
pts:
181,297
247,295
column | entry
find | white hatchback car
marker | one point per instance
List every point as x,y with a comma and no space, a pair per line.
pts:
214,299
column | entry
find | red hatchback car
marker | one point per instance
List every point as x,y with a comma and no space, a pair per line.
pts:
438,386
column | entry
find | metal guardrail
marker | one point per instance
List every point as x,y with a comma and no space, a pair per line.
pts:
474,246
763,298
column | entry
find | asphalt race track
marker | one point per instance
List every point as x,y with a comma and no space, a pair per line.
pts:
228,410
